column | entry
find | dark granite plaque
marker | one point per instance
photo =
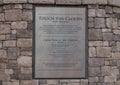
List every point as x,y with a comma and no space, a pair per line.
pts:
59,42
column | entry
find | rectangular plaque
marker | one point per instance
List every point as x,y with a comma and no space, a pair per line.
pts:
59,42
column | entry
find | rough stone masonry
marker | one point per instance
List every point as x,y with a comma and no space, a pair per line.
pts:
16,42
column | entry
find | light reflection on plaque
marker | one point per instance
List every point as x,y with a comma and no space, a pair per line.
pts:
59,42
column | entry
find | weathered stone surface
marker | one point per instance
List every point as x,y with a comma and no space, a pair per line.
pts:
113,62
114,2
2,37
107,36
11,37
68,2
84,82
27,6
116,55
100,13
27,15
91,13
4,28
105,43
110,78
1,1
26,70
25,76
10,43
103,51
94,71
116,9
106,71
24,33
4,77
93,79
18,6
111,23
3,54
14,31
14,1
2,17
19,25
96,62
42,1
118,46
116,32
106,30
13,15
24,61
9,71
54,82
29,82
13,53
99,22
117,83
94,1
95,43
92,52
28,53
11,83
24,42
108,9
95,34
1,45
91,24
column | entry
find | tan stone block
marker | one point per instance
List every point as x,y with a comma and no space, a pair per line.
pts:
29,53
118,46
103,51
5,28
74,83
116,55
114,2
91,13
94,1
106,71
100,13
92,52
110,78
29,82
75,2
95,43
117,83
14,1
9,43
54,82
2,17
116,32
27,15
13,15
24,42
11,83
116,9
2,37
4,77
25,61
112,23
26,70
42,1
18,6
9,71
19,25
3,54
93,79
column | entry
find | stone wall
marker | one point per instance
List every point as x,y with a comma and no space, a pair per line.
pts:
16,42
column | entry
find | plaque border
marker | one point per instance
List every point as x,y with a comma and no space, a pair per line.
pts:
86,39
